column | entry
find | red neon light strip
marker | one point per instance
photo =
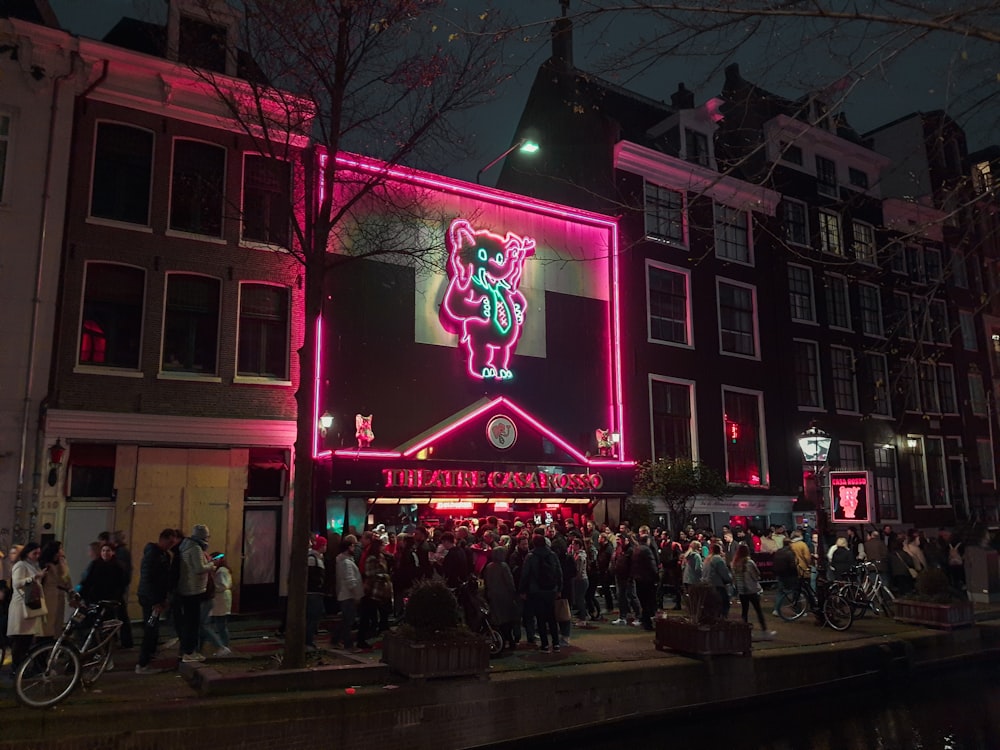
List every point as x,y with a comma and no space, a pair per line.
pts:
617,403
356,453
318,350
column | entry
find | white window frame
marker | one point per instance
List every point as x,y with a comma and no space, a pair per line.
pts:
206,377
984,449
121,223
967,324
853,408
804,208
219,239
863,289
263,379
812,295
852,445
249,241
829,232
831,191
953,395
885,468
932,251
719,281
689,323
841,283
92,369
905,328
688,156
915,448
723,221
977,395
692,395
927,383
654,218
764,468
814,345
6,158
883,376
865,252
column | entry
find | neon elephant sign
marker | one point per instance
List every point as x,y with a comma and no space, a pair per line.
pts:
483,303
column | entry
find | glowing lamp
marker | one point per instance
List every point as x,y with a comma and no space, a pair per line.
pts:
523,146
325,423
56,452
815,445
911,443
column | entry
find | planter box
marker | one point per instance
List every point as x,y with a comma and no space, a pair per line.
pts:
934,615
424,659
683,636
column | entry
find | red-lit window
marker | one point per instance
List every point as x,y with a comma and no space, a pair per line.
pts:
93,343
111,326
744,448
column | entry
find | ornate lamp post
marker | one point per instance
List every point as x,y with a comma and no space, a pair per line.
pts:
815,447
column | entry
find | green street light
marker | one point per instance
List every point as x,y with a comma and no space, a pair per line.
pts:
523,145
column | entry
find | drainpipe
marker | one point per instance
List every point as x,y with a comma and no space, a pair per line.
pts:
19,535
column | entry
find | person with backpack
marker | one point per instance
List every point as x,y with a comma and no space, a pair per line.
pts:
541,582
670,570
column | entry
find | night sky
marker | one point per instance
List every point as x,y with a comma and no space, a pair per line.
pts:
935,75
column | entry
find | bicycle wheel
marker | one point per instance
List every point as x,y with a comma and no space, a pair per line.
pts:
496,641
94,662
838,613
47,676
855,596
886,602
793,606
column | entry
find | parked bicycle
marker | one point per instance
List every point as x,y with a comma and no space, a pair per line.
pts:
837,611
80,655
865,591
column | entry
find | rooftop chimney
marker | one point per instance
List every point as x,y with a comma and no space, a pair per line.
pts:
562,39
682,98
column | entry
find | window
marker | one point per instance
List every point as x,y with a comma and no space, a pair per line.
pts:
664,214
937,475
672,426
807,382
667,297
745,457
851,456
111,328
959,276
921,319
737,319
918,475
957,481
932,264
871,309
908,386
986,468
864,243
5,122
697,147
732,237
191,324
903,315
946,388
263,335
202,44
940,330
995,347
967,323
927,378
196,188
886,485
91,471
791,153
838,307
123,170
800,294
793,214
829,232
897,259
878,378
845,388
266,196
977,395
826,176
857,177
915,264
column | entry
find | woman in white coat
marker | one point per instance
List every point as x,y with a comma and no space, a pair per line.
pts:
24,624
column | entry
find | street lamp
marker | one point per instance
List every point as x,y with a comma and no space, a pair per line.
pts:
815,447
524,146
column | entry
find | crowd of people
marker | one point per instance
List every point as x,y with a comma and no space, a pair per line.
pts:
177,576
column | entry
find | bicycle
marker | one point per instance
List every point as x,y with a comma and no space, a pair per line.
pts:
865,591
80,655
837,611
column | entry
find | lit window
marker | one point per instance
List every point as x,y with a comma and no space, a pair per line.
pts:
664,214
266,196
111,327
800,294
123,170
967,322
732,236
864,242
197,188
826,176
871,309
838,307
191,324
794,220
671,412
737,314
829,232
5,122
263,335
745,455
845,387
807,382
878,379
667,291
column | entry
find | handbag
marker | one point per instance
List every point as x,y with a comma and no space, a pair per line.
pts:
562,610
33,594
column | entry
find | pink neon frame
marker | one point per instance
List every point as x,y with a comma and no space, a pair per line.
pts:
616,407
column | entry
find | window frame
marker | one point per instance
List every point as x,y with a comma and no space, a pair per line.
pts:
691,385
803,241
841,282
107,369
827,168
908,332
793,295
836,379
255,242
857,178
869,314
858,228
939,323
790,153
831,236
977,395
880,395
702,156
927,382
851,445
186,374
92,218
762,439
239,377
815,376
946,385
173,231
987,454
755,330
967,325
656,202
885,471
652,265
724,222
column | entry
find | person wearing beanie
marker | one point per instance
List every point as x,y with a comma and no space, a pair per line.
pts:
349,592
192,586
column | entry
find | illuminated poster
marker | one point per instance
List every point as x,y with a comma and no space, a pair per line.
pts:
850,500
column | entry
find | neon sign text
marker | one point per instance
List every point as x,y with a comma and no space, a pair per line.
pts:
459,479
483,303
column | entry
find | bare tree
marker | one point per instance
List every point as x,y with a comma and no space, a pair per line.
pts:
318,77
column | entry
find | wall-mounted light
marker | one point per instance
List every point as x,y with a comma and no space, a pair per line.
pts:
56,452
325,423
911,443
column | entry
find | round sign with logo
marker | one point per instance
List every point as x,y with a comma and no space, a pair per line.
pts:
501,432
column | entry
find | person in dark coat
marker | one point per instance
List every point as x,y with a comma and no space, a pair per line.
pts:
154,590
841,559
105,579
502,596
541,582
645,575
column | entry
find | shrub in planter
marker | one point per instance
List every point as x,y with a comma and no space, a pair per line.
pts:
934,603
703,632
431,609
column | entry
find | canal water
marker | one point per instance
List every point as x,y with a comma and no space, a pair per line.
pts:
945,710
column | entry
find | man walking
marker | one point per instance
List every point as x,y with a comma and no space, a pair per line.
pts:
154,588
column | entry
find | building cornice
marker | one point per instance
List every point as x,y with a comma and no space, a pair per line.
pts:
676,174
800,133
911,218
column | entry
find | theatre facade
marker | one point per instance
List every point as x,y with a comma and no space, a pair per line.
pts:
469,361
